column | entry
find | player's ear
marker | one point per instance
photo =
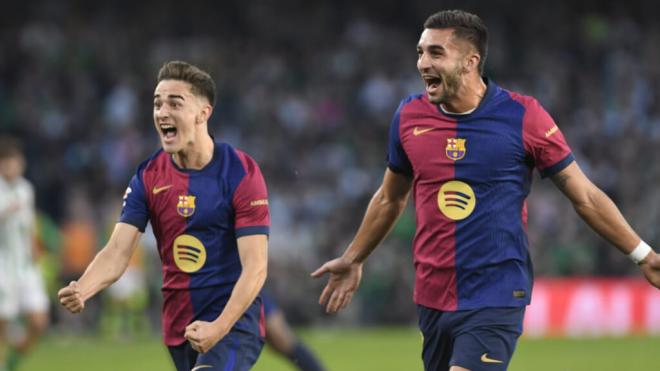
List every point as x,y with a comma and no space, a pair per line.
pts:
473,59
205,113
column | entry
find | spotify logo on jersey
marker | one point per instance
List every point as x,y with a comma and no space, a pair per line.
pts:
189,253
456,200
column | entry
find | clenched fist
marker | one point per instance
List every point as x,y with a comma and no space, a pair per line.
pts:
71,298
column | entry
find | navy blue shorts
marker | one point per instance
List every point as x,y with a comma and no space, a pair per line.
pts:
481,339
238,351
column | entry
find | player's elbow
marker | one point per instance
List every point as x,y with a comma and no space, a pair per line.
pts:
260,276
590,203
391,202
262,272
258,271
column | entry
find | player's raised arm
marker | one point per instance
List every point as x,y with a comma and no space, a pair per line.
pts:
602,215
108,265
346,271
253,252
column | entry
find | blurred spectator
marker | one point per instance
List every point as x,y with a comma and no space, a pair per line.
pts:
79,241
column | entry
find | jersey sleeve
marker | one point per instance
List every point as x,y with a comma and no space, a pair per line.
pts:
543,140
397,159
134,209
250,201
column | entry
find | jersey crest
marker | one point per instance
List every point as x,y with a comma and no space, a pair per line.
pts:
186,205
455,149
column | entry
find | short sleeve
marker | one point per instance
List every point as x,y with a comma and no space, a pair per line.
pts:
397,159
134,208
543,140
250,201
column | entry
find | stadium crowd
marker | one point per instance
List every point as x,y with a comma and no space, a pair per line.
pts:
308,89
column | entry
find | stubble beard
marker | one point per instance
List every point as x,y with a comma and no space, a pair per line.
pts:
451,83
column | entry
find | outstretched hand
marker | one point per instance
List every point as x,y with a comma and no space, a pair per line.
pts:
650,266
71,298
343,282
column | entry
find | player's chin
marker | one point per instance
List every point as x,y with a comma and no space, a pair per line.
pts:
169,147
434,98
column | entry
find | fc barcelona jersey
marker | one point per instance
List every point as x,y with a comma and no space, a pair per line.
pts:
471,175
196,216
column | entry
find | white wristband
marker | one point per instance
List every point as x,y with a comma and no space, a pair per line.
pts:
640,252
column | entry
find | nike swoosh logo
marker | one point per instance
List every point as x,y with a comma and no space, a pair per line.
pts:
485,359
417,131
201,367
157,190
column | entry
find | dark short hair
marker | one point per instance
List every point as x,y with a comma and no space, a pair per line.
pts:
10,147
200,81
466,26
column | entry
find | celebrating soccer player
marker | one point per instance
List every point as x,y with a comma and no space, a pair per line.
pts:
208,206
466,148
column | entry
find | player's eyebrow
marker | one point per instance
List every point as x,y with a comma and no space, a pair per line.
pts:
171,96
433,48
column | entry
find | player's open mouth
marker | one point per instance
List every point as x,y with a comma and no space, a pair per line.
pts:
168,131
432,83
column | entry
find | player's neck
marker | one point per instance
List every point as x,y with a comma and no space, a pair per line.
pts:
468,97
196,155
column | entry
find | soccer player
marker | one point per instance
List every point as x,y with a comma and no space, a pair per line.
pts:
282,340
22,291
208,206
466,148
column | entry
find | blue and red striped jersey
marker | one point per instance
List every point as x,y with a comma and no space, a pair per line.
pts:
196,216
471,176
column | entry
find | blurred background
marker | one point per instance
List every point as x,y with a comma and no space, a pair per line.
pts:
308,89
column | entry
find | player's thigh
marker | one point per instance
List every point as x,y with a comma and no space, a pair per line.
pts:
238,351
183,356
278,334
437,341
9,297
487,339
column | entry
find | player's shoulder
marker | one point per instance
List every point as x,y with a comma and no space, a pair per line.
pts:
527,101
24,183
235,156
414,105
534,114
158,159
20,184
24,186
235,165
417,100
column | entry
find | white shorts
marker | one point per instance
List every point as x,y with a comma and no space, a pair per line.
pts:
22,294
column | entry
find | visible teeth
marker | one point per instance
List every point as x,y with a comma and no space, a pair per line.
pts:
166,126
